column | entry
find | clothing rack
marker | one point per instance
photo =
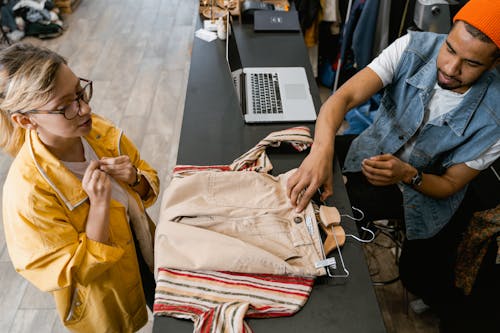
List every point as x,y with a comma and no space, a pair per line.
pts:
387,35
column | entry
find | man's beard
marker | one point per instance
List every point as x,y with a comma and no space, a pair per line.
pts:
447,86
454,84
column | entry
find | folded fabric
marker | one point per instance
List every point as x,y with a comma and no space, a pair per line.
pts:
256,158
229,244
207,210
238,222
218,301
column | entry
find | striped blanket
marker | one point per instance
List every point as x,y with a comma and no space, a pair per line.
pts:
217,302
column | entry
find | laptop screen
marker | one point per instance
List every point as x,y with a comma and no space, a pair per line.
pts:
232,55
268,94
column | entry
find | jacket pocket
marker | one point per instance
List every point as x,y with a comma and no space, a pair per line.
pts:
245,190
77,305
268,232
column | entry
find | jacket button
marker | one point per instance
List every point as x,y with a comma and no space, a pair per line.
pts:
78,303
297,219
401,137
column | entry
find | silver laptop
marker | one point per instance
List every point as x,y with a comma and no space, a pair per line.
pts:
270,94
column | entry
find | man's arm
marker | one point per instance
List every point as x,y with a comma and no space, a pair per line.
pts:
387,169
316,169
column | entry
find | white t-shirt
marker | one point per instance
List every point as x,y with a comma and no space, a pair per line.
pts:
78,168
441,102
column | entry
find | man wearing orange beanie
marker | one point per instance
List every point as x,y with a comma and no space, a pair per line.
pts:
437,128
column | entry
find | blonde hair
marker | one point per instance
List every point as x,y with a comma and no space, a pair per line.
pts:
27,79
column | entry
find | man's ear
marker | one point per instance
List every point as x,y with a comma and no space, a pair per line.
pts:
23,121
496,63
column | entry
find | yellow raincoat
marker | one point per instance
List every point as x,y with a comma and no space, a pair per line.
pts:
96,287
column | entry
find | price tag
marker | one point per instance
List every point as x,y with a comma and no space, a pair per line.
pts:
331,262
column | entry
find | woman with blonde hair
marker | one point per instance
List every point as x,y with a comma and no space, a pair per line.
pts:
75,196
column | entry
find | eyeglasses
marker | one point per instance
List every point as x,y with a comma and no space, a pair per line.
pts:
73,109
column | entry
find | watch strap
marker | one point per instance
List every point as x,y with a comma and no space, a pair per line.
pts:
417,179
138,177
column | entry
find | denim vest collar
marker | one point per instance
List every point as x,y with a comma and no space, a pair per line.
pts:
458,118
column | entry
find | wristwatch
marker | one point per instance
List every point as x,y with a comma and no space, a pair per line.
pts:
138,177
417,179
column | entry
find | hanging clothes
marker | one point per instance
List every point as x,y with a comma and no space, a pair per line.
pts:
381,37
358,32
362,39
328,44
308,12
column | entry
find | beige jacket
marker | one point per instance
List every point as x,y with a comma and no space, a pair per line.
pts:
96,287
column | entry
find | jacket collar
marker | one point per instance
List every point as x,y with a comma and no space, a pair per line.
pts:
64,182
458,118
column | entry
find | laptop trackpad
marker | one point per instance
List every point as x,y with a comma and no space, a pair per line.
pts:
295,91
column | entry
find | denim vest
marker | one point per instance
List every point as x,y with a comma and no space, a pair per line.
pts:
460,135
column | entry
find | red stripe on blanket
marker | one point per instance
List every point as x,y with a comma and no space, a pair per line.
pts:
285,279
159,307
205,278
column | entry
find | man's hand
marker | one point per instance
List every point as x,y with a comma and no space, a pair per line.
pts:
387,169
314,172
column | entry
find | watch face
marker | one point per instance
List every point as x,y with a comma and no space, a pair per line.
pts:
417,180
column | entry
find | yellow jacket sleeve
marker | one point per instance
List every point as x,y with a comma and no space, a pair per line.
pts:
47,250
127,147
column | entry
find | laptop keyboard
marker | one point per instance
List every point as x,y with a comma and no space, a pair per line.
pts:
265,93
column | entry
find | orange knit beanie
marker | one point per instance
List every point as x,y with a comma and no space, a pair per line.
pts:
483,15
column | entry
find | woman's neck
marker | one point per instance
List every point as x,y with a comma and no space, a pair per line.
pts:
69,150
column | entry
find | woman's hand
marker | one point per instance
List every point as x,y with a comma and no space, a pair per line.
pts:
120,168
96,184
315,172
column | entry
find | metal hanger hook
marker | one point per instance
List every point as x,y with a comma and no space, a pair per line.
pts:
356,210
364,240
